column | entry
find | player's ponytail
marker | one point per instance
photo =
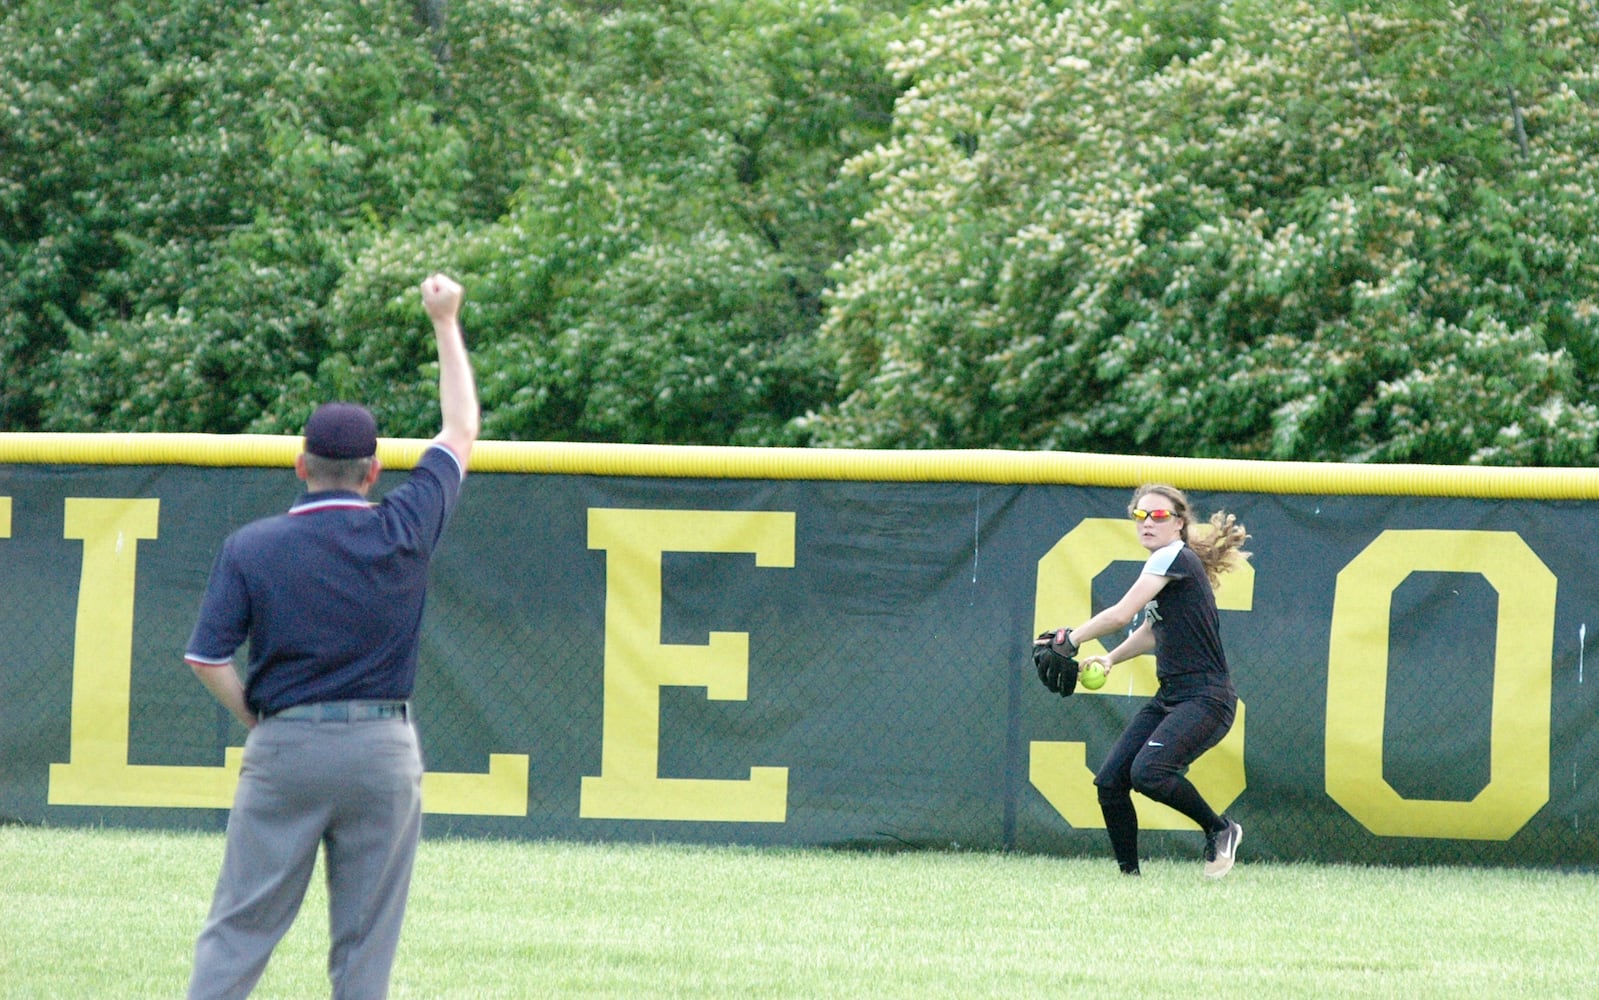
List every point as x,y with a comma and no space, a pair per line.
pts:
1223,549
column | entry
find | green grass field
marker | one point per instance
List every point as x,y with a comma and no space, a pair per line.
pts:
103,913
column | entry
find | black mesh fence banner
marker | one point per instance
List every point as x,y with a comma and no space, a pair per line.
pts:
843,662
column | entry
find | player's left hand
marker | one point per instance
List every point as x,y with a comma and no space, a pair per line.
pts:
1053,658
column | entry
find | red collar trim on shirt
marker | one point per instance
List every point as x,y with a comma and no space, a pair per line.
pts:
331,503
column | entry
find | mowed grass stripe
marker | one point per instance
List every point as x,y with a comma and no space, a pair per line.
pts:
103,913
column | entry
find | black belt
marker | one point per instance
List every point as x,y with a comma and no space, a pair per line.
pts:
343,711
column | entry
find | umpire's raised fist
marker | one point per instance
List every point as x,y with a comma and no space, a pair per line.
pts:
441,297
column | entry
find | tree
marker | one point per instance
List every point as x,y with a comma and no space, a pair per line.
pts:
87,179
674,243
643,198
1323,232
198,177
658,273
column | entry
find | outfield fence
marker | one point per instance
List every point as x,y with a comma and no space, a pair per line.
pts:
821,648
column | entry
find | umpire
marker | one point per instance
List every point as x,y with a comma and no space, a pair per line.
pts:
329,597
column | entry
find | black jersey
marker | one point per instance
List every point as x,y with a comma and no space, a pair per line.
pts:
1188,652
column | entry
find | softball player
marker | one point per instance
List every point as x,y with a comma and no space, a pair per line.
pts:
1194,706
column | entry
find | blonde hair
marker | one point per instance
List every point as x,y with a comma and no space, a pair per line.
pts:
1221,550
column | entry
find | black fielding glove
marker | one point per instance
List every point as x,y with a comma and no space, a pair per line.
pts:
1055,659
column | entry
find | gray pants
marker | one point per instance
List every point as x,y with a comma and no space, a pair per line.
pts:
355,788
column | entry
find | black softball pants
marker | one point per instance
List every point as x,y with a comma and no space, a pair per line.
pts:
1152,757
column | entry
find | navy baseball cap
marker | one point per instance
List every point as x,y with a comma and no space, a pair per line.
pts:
341,430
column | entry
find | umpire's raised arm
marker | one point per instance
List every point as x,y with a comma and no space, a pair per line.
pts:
458,403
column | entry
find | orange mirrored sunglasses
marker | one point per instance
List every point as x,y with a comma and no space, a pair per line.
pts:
1158,516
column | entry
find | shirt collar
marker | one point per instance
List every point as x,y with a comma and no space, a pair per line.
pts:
312,503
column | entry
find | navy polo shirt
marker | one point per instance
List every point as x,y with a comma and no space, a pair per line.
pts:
329,596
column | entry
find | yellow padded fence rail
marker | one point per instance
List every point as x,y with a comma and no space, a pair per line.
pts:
977,466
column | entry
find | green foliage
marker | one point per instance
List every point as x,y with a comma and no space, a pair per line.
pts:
221,216
659,273
213,167
1314,236
703,342
1337,230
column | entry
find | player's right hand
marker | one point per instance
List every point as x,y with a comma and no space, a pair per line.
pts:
1102,660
